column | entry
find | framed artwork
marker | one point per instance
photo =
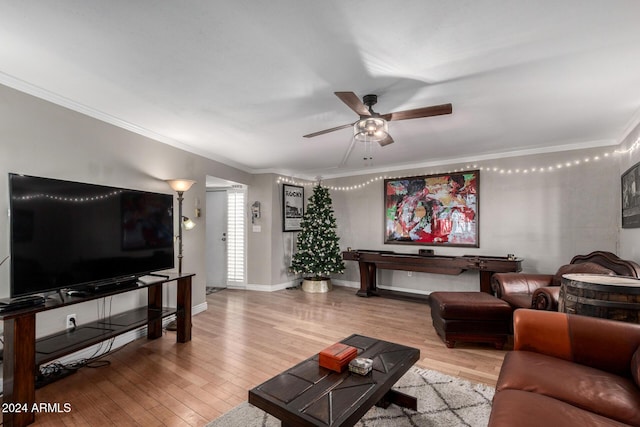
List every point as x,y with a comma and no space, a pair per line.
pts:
292,207
631,197
433,210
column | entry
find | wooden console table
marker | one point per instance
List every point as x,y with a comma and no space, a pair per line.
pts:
23,354
369,261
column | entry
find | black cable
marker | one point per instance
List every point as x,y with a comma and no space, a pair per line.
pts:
93,361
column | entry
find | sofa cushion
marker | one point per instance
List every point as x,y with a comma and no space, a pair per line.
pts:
607,394
583,267
635,366
524,409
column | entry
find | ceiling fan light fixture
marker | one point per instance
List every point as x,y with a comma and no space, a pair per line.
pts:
371,129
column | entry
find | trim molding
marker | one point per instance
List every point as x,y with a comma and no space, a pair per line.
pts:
41,93
272,288
119,340
125,338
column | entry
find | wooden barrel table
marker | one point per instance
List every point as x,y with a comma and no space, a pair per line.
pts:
596,295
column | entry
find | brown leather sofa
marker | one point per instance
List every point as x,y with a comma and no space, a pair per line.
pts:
541,291
569,370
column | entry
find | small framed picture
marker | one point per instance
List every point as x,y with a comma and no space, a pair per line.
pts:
292,207
631,197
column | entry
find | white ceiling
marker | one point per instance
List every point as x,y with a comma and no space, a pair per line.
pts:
242,81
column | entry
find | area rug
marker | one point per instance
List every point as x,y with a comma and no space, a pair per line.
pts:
442,401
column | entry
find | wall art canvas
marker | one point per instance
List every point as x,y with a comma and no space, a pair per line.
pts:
433,210
292,207
631,197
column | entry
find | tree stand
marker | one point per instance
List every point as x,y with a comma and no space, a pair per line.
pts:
316,286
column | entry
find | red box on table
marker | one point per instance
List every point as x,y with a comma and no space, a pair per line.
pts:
337,356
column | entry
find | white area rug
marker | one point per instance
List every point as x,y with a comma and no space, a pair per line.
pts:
442,401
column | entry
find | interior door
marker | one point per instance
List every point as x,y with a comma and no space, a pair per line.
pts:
216,239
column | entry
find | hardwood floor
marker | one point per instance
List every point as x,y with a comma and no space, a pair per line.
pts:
243,339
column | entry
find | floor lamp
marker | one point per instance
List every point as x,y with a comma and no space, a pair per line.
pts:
179,186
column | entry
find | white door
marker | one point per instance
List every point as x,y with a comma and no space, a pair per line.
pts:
216,239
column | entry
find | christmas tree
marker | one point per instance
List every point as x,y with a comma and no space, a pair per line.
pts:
318,253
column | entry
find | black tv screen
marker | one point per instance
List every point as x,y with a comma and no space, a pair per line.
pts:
68,234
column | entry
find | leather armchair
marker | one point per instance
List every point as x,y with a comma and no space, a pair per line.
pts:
569,370
542,291
518,288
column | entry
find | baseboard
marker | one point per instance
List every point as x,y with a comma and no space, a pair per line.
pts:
125,338
119,340
293,284
336,282
405,290
350,284
346,283
272,288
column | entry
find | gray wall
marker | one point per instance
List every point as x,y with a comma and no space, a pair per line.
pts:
630,237
269,251
545,218
43,139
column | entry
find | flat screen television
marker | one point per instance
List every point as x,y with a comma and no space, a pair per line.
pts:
74,235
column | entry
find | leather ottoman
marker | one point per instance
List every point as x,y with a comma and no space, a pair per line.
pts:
470,317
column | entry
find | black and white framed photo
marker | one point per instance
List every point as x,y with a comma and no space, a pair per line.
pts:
631,197
292,207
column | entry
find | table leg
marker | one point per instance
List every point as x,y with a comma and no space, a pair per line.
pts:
485,281
183,317
19,371
367,279
398,398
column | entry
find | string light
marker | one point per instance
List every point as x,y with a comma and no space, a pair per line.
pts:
70,199
527,171
631,149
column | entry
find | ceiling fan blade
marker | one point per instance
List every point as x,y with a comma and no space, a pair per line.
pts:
434,110
353,102
322,132
388,140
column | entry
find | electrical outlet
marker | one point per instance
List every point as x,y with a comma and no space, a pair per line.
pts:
410,273
71,321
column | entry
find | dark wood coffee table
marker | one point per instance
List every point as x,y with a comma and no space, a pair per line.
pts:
309,395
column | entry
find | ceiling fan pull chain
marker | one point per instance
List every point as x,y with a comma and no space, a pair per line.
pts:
368,151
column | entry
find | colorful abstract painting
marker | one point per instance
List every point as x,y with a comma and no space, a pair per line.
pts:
433,210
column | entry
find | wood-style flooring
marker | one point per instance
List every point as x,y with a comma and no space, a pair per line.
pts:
243,339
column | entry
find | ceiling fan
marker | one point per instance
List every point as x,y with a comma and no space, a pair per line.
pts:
372,126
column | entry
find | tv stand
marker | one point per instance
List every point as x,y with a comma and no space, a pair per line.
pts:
23,353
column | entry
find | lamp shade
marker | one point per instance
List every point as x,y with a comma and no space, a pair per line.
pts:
180,184
187,223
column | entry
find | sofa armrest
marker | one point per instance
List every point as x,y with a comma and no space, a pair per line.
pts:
546,298
603,344
518,283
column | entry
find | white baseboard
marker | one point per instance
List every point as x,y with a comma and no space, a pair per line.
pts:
272,288
350,284
118,341
335,282
346,283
